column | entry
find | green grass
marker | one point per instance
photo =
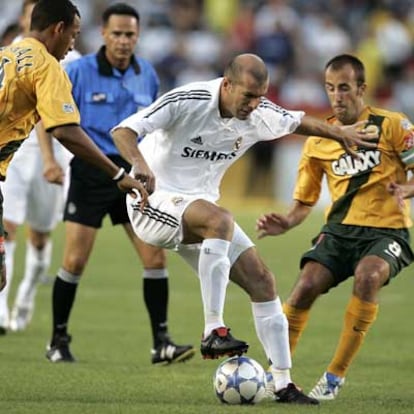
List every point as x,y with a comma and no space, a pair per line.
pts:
111,339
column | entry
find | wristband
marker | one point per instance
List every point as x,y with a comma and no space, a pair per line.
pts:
119,175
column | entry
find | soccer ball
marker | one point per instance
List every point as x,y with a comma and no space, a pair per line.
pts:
240,380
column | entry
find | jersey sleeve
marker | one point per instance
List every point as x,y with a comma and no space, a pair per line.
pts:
159,115
276,120
55,103
404,144
309,179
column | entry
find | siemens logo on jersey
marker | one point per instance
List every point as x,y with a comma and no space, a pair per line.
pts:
346,165
189,152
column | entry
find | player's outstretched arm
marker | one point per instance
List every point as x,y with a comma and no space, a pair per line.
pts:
78,143
273,224
347,135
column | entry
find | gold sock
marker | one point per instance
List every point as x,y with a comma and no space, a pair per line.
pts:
298,319
359,316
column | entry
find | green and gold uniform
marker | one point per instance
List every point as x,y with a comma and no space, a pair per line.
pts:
363,218
33,85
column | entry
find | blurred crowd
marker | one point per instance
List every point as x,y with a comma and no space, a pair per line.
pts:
190,40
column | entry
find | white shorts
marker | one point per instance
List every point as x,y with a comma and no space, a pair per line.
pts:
161,225
27,195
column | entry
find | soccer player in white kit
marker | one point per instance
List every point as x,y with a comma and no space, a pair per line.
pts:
30,198
192,136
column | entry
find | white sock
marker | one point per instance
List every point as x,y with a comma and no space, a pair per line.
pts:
36,265
214,270
272,329
9,247
155,273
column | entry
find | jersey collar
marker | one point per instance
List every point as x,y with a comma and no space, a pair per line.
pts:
106,69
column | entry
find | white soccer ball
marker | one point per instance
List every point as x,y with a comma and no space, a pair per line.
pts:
240,380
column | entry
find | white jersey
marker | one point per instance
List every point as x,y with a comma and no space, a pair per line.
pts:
189,146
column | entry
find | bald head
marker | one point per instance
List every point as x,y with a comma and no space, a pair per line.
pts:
247,63
245,82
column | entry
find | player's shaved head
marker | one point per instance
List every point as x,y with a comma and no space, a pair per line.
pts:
247,63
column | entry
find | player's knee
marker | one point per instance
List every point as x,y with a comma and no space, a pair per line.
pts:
153,259
366,285
306,291
219,224
74,264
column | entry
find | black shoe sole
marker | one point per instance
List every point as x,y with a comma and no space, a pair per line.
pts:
215,354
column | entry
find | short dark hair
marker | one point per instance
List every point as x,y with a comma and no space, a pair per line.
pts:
338,62
119,8
48,12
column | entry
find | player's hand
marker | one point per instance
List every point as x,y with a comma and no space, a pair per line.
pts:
144,175
134,188
53,173
359,134
272,224
400,193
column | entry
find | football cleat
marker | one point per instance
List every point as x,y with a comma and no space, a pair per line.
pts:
294,395
221,343
327,388
58,350
168,352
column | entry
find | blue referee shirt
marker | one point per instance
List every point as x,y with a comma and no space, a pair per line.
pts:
106,96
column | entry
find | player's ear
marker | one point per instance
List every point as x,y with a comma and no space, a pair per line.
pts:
59,27
227,83
362,89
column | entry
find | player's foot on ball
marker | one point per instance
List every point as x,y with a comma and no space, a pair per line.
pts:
294,395
221,343
168,352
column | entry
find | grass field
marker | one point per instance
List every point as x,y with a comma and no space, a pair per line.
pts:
111,340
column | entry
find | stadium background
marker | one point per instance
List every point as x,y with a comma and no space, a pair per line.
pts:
190,40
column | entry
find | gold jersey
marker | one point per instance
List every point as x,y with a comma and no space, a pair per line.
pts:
33,86
358,187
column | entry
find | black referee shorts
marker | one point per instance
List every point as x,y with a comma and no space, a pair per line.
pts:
92,195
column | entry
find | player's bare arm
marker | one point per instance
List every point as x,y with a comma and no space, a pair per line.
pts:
78,142
273,224
126,141
347,135
52,171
